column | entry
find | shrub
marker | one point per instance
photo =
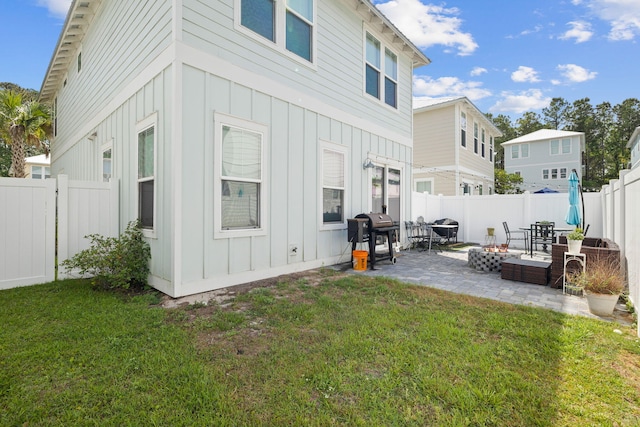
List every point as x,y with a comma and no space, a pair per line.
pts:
602,276
114,262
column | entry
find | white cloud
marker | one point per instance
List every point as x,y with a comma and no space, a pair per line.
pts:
477,71
59,8
428,25
622,15
580,31
521,102
525,74
448,86
575,73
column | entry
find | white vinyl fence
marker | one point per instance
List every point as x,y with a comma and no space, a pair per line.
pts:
29,211
477,213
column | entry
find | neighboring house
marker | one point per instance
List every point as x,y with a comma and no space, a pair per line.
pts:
38,167
237,129
634,148
545,158
453,147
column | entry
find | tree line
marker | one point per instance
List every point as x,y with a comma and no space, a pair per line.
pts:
607,130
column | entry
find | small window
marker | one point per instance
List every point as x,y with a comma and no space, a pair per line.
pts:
106,165
563,173
482,151
475,138
463,129
424,186
373,67
515,152
524,151
491,149
545,174
299,25
554,147
391,78
554,173
333,186
260,17
566,146
146,177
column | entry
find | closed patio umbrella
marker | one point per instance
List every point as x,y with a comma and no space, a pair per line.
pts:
573,215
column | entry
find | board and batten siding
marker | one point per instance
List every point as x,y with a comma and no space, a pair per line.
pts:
83,162
295,138
335,79
124,38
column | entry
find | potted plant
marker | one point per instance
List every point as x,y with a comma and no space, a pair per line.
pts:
574,241
602,283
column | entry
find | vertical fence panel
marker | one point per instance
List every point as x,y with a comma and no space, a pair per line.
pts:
27,231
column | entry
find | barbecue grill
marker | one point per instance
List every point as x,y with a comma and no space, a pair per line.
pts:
367,228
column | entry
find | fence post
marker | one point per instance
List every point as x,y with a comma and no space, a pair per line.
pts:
63,221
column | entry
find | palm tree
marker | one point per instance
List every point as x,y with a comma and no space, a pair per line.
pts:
21,124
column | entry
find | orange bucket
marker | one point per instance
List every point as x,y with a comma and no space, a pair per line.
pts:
360,260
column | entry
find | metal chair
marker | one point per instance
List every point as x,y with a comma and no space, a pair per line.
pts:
542,234
510,236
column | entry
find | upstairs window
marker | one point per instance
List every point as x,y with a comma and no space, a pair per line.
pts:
483,144
376,67
491,149
463,129
475,138
291,27
558,146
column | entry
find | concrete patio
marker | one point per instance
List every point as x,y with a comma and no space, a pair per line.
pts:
448,270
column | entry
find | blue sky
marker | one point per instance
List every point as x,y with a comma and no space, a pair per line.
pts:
507,56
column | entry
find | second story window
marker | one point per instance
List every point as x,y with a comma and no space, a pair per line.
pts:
463,129
483,143
376,67
290,25
475,138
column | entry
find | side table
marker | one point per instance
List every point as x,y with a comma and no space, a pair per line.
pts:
580,259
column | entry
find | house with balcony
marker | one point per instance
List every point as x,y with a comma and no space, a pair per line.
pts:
237,130
453,147
545,158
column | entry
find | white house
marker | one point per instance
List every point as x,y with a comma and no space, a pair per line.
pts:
545,158
453,147
38,167
237,129
634,147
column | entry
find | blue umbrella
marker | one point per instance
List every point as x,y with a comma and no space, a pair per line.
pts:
573,216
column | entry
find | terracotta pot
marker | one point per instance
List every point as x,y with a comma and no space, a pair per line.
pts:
601,304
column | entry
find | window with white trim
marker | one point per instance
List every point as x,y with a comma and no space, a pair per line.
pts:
463,129
482,151
239,174
40,172
107,163
333,184
563,173
375,67
290,25
545,174
554,173
515,152
558,146
146,172
520,151
491,148
475,137
424,185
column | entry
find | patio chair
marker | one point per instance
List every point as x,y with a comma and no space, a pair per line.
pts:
542,234
431,239
413,234
513,235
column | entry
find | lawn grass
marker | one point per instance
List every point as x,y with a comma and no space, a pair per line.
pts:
318,350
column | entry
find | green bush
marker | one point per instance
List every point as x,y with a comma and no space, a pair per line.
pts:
114,262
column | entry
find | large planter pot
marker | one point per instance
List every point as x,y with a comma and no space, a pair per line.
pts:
574,246
601,304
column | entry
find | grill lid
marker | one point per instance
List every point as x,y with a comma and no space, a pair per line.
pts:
377,220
